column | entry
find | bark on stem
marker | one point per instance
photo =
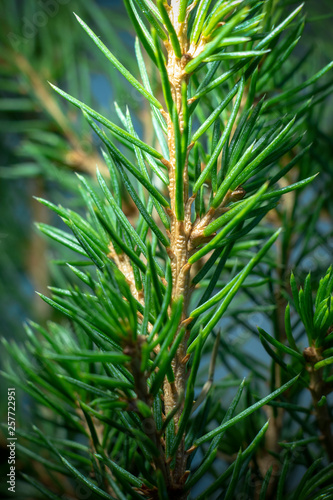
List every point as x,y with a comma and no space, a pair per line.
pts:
318,388
179,237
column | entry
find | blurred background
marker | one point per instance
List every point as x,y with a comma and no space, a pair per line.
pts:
44,140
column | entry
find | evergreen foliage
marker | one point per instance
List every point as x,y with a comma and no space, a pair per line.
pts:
128,383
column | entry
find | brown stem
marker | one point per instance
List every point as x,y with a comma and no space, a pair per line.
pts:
179,244
318,388
36,261
124,265
141,389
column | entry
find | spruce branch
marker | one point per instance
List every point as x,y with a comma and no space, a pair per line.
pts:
144,304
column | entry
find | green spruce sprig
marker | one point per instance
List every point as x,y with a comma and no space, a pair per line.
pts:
128,379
